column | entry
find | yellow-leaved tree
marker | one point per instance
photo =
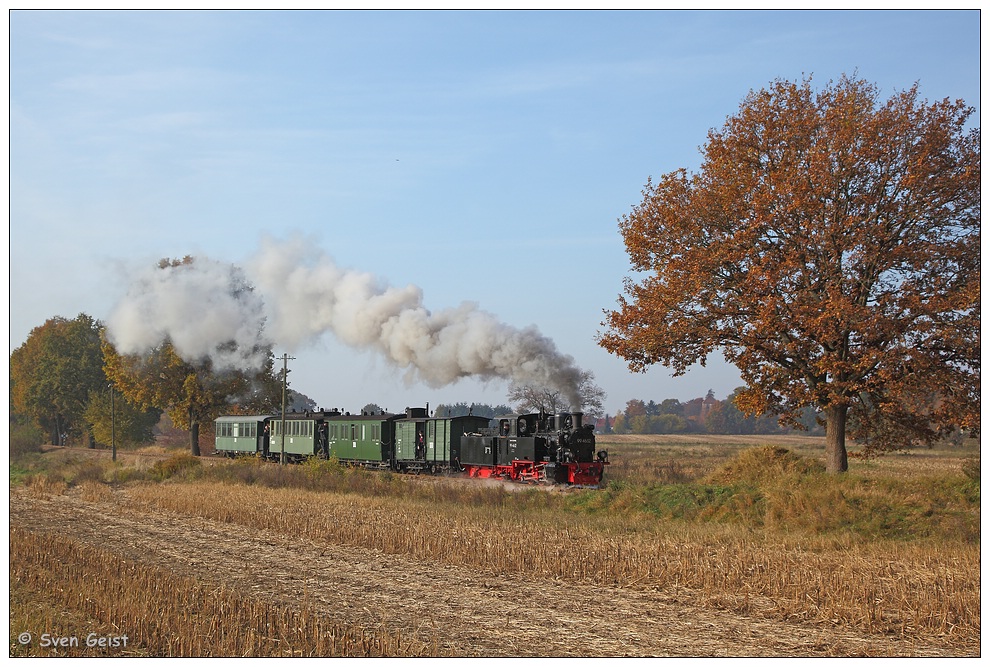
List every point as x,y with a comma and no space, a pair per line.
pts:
191,393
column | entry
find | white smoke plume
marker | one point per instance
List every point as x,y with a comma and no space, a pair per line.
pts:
300,294
208,309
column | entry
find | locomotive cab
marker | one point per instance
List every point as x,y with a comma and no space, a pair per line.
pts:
518,426
520,438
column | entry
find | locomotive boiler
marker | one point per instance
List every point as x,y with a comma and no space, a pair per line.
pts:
556,448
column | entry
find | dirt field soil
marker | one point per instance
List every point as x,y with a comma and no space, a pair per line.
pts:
467,614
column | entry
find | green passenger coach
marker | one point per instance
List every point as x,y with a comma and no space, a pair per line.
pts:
241,434
305,435
365,438
431,443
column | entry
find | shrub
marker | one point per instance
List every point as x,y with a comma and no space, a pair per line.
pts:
25,438
765,464
971,468
317,468
86,471
173,465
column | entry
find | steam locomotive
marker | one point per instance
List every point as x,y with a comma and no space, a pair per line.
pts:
554,449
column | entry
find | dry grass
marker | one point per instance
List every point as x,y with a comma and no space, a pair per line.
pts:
41,486
910,590
60,585
95,492
639,458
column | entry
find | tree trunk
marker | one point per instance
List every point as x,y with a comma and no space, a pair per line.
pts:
193,434
835,439
57,431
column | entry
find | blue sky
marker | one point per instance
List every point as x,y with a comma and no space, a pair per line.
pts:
481,156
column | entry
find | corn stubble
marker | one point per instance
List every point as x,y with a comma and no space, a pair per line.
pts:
905,589
166,614
784,567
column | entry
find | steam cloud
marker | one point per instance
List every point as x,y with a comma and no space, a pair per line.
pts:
207,308
292,294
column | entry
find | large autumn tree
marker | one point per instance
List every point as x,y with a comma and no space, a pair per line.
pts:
829,246
191,387
190,393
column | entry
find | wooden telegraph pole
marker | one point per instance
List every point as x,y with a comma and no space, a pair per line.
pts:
285,377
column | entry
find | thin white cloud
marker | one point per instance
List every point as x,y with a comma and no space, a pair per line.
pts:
84,43
148,80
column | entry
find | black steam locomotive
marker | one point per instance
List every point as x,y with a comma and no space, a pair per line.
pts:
557,449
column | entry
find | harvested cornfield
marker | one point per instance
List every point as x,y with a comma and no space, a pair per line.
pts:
141,609
258,559
487,593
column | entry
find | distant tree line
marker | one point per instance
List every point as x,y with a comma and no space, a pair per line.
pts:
477,409
700,415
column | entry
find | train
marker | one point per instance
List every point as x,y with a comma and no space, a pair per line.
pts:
531,448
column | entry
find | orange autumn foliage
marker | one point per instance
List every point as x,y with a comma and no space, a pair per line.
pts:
829,247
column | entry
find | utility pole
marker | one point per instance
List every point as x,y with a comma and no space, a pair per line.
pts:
113,428
285,377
